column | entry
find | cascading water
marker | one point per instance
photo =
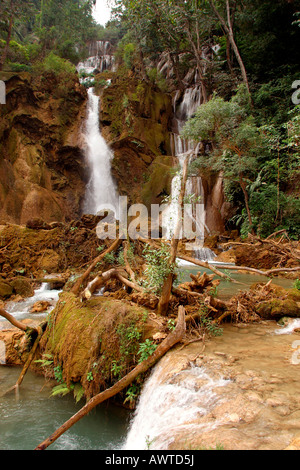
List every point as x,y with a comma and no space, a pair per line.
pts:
181,148
99,58
101,192
190,102
171,401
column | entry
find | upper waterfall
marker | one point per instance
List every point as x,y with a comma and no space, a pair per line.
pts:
100,58
101,192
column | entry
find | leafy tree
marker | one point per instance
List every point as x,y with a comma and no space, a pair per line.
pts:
10,10
225,12
234,138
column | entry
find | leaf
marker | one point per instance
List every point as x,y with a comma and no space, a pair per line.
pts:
60,390
78,392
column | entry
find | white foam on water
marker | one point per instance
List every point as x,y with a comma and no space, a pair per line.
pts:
167,405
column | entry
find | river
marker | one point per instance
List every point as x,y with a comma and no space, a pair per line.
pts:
178,392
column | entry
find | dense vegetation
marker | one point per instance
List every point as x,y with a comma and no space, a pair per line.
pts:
253,132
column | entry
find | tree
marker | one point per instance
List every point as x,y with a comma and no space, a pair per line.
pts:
10,10
234,137
226,20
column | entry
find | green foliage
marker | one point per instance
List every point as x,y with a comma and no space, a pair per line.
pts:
146,350
54,63
60,390
158,268
109,258
132,394
207,324
129,336
116,369
157,79
90,377
58,374
297,284
127,53
46,362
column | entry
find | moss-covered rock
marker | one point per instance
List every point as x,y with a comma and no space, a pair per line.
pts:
22,287
136,121
96,342
285,303
6,289
277,308
158,186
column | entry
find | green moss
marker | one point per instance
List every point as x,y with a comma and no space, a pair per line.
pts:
92,336
277,308
159,182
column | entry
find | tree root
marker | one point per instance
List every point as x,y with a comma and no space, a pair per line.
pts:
77,286
15,388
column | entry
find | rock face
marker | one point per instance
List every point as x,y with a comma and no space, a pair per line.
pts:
135,120
41,164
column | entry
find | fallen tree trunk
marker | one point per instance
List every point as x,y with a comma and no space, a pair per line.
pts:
27,329
13,320
165,297
237,268
77,286
173,338
263,273
103,278
28,362
204,264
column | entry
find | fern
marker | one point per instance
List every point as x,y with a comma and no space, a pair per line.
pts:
60,390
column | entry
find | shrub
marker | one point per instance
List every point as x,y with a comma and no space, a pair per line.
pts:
54,63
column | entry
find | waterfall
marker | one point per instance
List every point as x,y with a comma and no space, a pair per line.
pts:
191,100
99,59
101,192
182,148
172,401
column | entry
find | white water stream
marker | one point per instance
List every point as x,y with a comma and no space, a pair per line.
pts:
171,401
21,310
182,149
101,191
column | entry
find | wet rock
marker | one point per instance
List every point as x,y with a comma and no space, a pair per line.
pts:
277,308
6,289
50,261
40,306
38,224
22,287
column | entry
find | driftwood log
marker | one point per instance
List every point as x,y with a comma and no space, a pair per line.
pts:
103,278
27,364
77,286
165,297
13,320
172,339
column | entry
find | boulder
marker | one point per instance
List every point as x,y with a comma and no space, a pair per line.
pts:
22,287
40,306
50,261
277,308
6,289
